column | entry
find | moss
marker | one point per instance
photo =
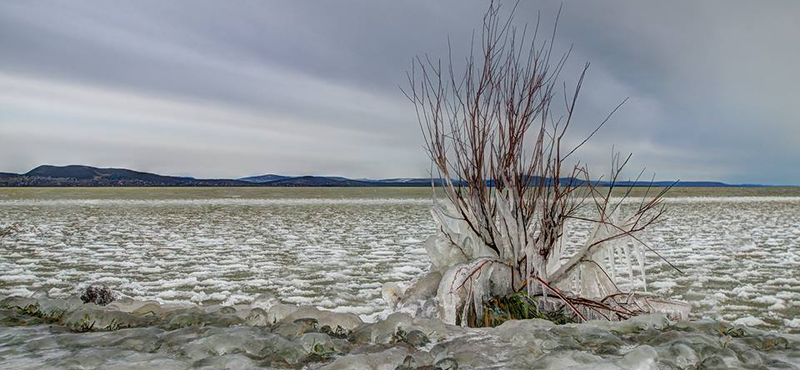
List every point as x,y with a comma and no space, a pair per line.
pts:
520,306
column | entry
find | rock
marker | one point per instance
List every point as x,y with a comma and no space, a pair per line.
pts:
361,335
345,321
680,355
339,332
242,310
99,295
640,358
172,341
383,331
185,319
116,359
532,332
595,337
279,311
289,330
244,340
257,317
447,364
751,358
640,323
417,338
712,362
193,317
392,293
439,352
264,301
9,317
308,324
227,310
384,360
25,304
569,360
135,339
225,362
132,334
92,317
136,307
317,343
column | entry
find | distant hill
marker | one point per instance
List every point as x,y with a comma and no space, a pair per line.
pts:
264,178
297,181
92,176
77,175
318,181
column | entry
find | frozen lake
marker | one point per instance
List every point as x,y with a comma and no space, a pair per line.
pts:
334,248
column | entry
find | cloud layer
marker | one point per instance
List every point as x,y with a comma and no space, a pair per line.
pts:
210,90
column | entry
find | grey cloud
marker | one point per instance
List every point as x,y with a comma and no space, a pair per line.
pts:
209,89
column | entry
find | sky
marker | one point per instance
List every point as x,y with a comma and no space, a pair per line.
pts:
229,89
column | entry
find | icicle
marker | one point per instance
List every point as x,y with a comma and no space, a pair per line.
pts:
477,301
611,253
574,282
643,265
465,310
639,254
544,295
629,265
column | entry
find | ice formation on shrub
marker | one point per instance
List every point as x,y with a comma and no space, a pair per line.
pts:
473,272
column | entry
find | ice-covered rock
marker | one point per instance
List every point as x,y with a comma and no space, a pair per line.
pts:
136,307
91,317
226,362
345,321
317,343
392,293
447,364
680,355
252,343
418,299
264,301
640,358
291,330
130,334
257,317
384,331
279,311
532,333
384,360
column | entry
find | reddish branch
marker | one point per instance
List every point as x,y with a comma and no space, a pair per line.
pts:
492,131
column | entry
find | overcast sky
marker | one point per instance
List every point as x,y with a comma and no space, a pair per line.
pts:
229,89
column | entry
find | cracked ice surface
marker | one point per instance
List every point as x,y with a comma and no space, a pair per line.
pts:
740,255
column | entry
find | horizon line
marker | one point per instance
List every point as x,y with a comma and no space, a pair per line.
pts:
643,183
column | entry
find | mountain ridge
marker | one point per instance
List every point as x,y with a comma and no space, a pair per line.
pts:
89,176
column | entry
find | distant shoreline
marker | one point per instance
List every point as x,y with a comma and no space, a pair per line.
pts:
87,176
6,186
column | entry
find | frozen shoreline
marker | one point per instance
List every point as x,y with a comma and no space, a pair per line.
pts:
45,333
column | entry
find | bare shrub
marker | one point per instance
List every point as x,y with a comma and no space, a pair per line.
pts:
498,146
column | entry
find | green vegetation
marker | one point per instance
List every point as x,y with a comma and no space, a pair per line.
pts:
520,306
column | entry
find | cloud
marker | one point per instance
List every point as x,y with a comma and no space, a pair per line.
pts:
204,89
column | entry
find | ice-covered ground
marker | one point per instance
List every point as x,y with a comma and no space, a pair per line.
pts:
740,255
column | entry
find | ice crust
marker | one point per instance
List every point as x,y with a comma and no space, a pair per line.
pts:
740,255
132,334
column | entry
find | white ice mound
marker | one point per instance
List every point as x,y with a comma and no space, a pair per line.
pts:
473,272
